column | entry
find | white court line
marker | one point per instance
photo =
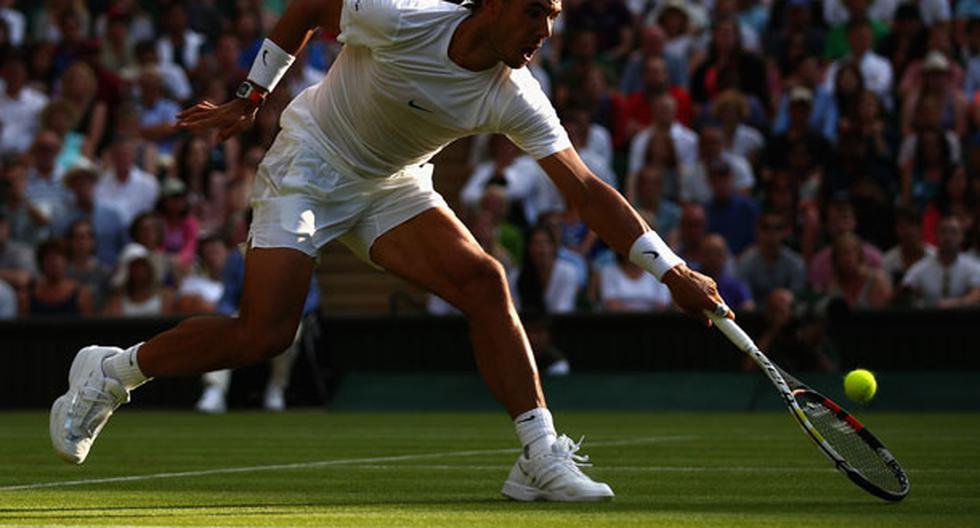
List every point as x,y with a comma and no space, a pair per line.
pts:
322,463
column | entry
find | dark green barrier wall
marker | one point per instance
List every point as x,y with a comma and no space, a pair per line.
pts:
36,355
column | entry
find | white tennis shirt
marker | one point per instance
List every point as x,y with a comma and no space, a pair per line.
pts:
393,98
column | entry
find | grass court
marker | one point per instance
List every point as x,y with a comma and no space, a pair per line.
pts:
309,468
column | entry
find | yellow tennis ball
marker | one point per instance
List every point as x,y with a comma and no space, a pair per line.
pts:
860,385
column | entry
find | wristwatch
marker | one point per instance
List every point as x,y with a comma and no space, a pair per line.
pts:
251,92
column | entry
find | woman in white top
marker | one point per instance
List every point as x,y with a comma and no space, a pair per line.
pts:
545,284
138,293
625,287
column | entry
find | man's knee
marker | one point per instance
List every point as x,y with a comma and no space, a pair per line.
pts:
260,342
482,285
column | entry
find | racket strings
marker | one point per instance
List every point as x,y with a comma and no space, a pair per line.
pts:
849,445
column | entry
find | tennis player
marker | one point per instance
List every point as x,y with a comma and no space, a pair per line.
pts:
350,163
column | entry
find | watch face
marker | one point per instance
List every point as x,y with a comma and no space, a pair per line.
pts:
244,91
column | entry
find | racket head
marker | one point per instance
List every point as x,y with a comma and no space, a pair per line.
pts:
853,449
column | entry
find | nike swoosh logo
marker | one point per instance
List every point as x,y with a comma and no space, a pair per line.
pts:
528,419
417,107
653,253
265,53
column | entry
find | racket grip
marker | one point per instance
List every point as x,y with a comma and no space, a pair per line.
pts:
730,328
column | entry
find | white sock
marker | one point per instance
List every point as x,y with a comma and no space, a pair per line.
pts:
125,368
536,430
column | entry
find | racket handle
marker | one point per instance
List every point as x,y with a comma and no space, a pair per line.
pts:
732,331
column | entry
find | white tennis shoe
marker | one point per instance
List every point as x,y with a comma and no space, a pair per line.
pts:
555,476
79,415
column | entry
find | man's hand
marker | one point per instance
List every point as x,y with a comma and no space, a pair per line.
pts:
693,292
230,119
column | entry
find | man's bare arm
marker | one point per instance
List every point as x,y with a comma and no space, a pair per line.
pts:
291,33
611,217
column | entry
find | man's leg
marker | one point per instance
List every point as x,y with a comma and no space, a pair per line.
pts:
276,282
435,251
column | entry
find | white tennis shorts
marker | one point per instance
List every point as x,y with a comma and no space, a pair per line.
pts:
300,201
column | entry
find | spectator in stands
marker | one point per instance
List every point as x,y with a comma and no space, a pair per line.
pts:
910,249
730,214
637,110
841,220
728,66
799,129
69,45
853,280
609,20
947,279
661,154
44,186
644,189
652,40
731,109
955,196
664,109
502,170
17,266
158,114
201,291
770,265
695,178
79,86
147,231
60,116
179,44
127,124
28,221
875,70
180,227
223,64
195,167
20,107
591,141
675,19
796,22
715,263
130,190
118,47
15,20
693,228
840,16
923,175
845,88
83,265
545,284
175,81
936,82
624,287
906,42
138,290
54,292
107,224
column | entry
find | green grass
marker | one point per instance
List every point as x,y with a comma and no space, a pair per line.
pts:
724,470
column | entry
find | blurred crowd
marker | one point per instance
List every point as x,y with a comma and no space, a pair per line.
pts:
803,154
106,208
794,150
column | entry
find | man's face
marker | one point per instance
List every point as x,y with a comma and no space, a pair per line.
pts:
655,72
520,28
950,235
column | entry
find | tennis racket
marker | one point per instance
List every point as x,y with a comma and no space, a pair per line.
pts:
842,438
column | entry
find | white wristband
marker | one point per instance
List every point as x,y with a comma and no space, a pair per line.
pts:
270,65
651,253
